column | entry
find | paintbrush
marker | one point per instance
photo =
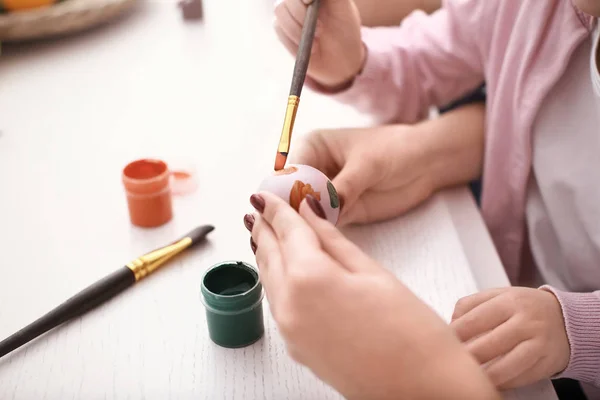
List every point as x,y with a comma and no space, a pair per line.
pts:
104,289
300,67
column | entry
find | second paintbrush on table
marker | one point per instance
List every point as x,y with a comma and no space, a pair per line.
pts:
300,68
104,289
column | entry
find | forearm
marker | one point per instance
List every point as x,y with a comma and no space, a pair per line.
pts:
427,61
391,12
424,350
453,145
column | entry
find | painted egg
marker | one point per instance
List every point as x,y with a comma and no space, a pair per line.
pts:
296,181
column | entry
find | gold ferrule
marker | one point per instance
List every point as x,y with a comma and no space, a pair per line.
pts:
148,263
288,124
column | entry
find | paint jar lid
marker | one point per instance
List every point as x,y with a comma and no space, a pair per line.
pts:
183,178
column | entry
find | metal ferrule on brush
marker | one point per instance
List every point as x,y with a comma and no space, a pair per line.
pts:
150,262
288,124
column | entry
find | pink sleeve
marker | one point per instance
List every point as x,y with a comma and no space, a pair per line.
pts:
427,61
581,312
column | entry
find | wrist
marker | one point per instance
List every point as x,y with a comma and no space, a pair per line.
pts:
580,312
452,146
347,80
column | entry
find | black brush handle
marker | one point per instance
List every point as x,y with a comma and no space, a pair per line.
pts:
90,297
304,48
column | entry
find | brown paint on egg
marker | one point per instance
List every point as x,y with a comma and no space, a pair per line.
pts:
286,171
299,192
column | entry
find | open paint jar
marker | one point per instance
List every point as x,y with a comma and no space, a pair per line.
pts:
149,186
148,192
232,295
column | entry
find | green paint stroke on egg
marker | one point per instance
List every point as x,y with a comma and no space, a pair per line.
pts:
334,200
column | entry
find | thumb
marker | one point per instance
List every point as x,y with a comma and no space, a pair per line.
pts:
350,183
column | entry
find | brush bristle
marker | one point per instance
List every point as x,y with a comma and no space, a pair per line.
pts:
197,235
280,160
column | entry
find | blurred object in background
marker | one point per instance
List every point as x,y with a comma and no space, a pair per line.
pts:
24,20
191,9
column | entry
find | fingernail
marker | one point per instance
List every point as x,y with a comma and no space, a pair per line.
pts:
253,246
307,2
257,202
249,221
315,206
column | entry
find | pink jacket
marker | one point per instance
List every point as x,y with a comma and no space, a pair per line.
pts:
520,48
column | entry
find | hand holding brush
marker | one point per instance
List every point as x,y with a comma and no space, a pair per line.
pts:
329,39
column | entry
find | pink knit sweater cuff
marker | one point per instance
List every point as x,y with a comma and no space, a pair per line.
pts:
581,312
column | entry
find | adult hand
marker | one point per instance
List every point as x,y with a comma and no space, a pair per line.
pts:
384,171
338,53
349,320
379,172
518,333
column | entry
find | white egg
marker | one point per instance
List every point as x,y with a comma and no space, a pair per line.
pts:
295,181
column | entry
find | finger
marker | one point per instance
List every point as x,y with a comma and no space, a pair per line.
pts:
466,304
528,376
334,243
324,150
287,42
481,319
297,10
315,149
374,206
293,233
268,258
354,179
287,23
500,341
511,366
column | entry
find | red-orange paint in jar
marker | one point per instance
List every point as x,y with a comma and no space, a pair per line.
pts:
148,192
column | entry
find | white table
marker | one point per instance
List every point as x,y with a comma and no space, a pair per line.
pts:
74,112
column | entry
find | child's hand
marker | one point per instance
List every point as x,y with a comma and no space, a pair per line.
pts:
379,172
338,53
523,326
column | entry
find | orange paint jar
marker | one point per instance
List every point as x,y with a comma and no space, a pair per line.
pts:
148,192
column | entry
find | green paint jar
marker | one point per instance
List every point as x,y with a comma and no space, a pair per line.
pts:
232,295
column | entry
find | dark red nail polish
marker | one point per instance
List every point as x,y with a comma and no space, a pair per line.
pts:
257,202
249,222
253,246
315,206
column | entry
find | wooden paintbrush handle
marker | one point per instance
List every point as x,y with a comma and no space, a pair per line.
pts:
85,300
305,47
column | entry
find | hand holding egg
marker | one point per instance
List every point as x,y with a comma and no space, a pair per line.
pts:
296,181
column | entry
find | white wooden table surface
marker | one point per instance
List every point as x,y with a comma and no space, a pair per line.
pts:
211,94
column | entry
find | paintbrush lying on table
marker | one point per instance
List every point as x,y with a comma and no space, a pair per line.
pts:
300,68
104,289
